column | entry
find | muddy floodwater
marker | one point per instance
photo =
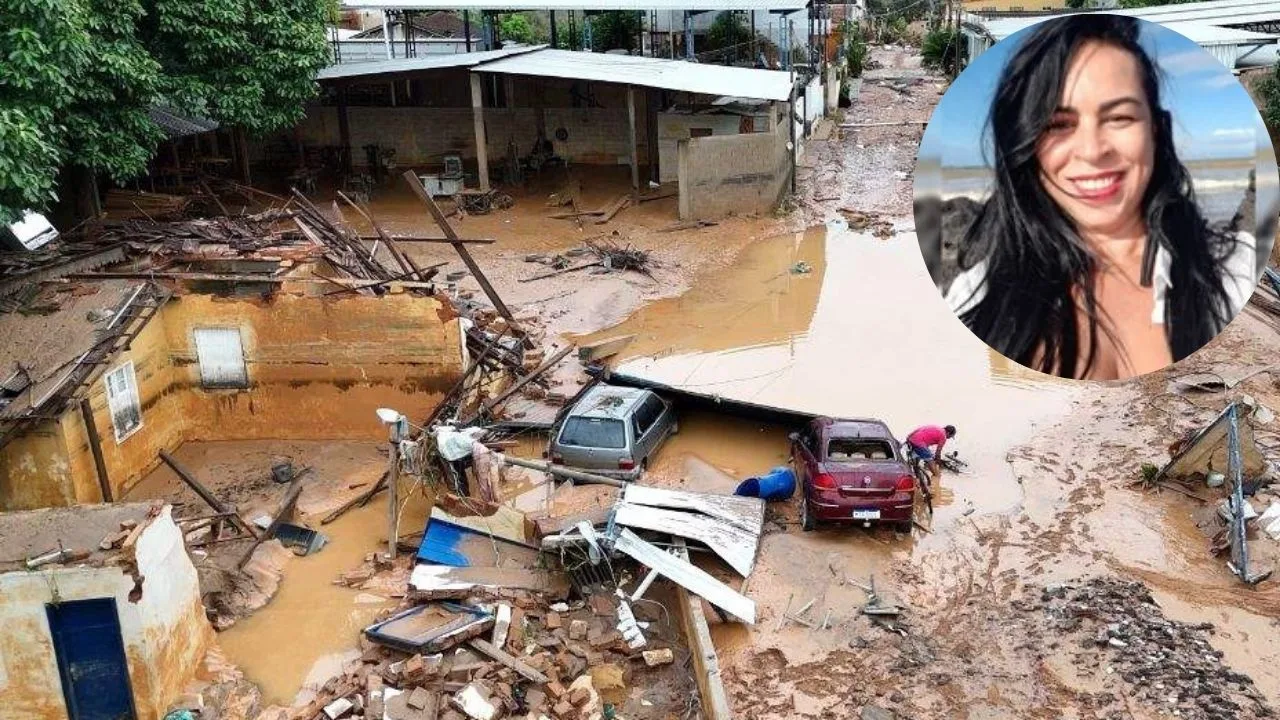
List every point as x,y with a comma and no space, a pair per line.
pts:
301,638
834,322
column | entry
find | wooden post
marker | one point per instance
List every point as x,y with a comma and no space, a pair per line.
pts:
242,146
344,129
631,141
95,447
204,493
393,499
653,102
482,148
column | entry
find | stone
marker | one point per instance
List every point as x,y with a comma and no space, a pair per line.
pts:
338,708
563,709
580,697
419,698
578,630
654,658
871,712
556,690
553,621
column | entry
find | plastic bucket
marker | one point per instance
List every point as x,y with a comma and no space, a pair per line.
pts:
778,484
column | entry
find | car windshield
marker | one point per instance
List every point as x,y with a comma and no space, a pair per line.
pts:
594,432
855,449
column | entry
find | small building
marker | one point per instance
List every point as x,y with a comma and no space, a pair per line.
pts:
116,634
720,133
185,340
408,34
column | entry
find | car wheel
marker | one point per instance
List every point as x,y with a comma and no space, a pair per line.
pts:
807,521
905,527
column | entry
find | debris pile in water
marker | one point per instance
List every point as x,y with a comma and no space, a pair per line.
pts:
1168,664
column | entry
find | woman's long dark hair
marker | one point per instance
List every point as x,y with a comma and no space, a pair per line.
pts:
1035,257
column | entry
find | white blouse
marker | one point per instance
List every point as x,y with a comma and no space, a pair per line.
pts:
1240,275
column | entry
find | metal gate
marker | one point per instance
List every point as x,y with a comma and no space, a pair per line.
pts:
91,659
221,357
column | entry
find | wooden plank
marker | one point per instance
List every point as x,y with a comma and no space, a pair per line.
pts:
443,581
208,277
546,365
95,447
285,510
702,651
501,656
736,546
204,493
745,513
686,575
416,186
422,239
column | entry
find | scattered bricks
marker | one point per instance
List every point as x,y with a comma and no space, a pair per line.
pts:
418,699
373,693
548,641
555,690
572,666
535,699
516,639
578,630
594,658
114,540
414,670
355,577
607,640
502,625
553,621
580,697
602,604
563,709
654,658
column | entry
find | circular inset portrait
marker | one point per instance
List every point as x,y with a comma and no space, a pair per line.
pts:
1096,196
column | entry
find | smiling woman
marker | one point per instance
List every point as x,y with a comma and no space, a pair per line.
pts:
1091,257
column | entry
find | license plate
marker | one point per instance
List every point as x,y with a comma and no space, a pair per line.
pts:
866,514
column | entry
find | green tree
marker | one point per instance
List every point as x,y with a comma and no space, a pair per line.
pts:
855,49
1268,91
615,30
79,77
517,27
727,30
944,49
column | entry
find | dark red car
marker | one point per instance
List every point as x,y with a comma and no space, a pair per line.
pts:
852,471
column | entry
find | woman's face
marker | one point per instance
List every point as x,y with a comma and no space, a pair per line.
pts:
1097,155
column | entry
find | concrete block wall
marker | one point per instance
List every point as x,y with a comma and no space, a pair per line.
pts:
674,127
422,135
733,174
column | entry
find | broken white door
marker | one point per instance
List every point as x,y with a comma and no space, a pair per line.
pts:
122,401
221,357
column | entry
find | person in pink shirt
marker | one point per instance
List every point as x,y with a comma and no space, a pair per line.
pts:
927,441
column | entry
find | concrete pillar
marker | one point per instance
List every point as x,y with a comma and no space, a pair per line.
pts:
631,137
482,149
386,35
688,36
684,185
554,35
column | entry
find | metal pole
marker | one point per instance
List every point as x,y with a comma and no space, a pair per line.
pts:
386,34
95,447
554,34
466,27
393,499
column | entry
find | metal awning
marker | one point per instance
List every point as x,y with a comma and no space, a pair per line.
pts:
580,5
441,61
676,75
176,125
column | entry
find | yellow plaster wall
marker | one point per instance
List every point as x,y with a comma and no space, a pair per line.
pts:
318,368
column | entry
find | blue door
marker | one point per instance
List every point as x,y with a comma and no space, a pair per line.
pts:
91,661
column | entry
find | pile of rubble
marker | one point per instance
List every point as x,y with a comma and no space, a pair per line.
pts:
497,654
1169,664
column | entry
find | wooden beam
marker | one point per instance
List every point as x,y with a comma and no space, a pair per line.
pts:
440,240
208,277
502,397
285,510
524,670
482,149
204,493
344,129
416,186
95,447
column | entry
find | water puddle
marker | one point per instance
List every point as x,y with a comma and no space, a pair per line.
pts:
302,637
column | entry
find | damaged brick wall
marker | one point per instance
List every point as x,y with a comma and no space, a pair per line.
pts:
318,368
165,632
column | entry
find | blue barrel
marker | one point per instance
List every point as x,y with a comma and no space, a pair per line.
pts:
778,484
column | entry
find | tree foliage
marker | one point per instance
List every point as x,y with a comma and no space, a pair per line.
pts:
80,76
944,49
518,27
726,31
615,30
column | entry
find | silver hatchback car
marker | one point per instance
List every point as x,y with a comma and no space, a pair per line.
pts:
613,431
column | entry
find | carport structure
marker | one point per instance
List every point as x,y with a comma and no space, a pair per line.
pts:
720,131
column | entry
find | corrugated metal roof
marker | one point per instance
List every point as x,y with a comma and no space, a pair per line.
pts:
661,5
1215,12
427,62
677,75
1199,33
176,125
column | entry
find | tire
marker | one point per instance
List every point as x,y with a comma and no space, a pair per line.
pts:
807,522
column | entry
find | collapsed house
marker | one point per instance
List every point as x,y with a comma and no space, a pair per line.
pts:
100,613
151,334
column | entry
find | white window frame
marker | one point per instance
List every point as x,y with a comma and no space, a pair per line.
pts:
205,382
122,399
